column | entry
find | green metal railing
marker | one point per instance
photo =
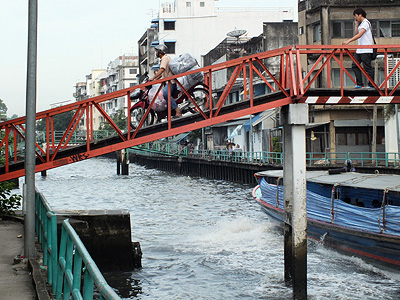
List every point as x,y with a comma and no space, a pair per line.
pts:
76,264
65,269
387,159
46,230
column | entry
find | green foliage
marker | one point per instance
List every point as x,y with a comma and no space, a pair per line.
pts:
3,110
276,145
194,135
119,119
8,202
60,122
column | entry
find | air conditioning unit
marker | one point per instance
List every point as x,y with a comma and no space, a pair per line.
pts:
391,64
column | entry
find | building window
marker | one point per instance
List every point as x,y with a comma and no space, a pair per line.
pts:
171,47
301,30
342,29
132,71
346,79
169,25
202,4
188,4
316,32
386,29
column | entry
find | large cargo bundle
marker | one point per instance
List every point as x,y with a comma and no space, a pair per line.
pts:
183,63
160,104
190,80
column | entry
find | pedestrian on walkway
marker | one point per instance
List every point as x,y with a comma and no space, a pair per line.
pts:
363,34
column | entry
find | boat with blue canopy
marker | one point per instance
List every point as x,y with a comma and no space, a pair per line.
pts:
354,212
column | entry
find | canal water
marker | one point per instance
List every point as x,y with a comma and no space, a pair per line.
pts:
205,239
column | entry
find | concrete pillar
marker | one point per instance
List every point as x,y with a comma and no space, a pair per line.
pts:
374,132
332,145
295,116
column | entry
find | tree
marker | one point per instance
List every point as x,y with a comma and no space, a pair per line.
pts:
119,119
8,202
3,110
60,122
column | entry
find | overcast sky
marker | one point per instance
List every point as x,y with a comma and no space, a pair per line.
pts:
75,37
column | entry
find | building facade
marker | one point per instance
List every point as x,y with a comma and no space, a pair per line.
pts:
323,22
196,26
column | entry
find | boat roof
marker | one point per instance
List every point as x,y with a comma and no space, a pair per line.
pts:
352,179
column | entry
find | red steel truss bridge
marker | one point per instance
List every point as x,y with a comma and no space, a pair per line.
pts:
299,74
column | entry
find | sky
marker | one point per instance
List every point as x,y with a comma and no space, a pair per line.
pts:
75,37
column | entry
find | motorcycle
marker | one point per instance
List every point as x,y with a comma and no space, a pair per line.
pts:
199,93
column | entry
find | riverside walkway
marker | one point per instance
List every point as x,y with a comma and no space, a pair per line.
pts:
16,281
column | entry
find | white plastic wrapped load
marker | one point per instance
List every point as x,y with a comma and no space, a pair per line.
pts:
182,64
160,104
190,80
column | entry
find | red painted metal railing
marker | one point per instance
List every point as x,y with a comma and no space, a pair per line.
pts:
284,71
326,58
246,68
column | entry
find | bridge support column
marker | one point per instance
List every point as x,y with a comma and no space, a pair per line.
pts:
123,162
294,117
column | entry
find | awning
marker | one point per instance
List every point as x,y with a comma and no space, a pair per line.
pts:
312,125
246,125
169,20
155,20
177,138
155,43
264,115
169,41
234,132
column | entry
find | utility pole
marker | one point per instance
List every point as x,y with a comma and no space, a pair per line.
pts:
30,160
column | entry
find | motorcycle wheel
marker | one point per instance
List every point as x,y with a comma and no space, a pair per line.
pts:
200,95
137,115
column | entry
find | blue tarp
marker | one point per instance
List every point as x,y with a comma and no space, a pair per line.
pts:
348,215
246,125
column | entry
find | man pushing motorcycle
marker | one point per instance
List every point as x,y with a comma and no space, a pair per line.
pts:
164,72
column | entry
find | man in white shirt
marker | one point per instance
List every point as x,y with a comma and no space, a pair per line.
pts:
364,36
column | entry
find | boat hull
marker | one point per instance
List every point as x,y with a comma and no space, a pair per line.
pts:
381,248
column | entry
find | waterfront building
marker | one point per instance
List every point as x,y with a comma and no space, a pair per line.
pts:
348,128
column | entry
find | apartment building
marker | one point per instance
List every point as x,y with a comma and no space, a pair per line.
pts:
121,73
196,26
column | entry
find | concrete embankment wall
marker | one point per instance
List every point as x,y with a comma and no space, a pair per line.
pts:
106,235
240,172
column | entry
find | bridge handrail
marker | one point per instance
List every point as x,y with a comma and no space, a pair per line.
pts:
280,70
326,56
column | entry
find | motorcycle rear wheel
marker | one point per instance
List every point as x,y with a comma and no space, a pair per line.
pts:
137,114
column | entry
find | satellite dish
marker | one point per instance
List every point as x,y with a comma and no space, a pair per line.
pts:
236,33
